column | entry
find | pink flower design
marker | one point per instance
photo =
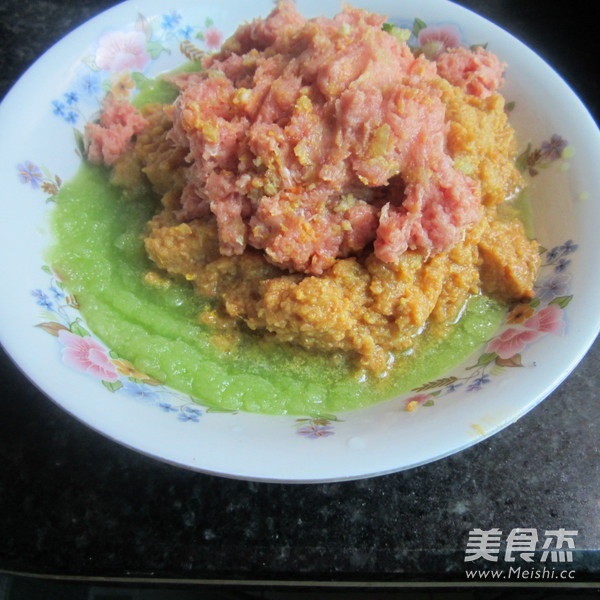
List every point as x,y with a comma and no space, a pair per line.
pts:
121,51
411,403
512,341
87,355
548,320
213,37
435,40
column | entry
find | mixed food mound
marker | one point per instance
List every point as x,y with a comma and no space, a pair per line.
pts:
328,186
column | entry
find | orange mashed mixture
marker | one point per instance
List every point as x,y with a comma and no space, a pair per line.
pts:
357,300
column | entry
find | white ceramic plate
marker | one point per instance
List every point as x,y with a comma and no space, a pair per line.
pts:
61,91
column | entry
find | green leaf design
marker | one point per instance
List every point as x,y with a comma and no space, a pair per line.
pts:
324,417
418,25
216,409
112,386
141,81
523,158
79,141
562,301
76,328
90,63
155,49
484,359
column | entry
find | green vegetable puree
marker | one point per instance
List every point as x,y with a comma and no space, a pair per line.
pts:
99,251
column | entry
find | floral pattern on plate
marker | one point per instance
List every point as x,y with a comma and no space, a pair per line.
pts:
81,351
38,178
524,324
120,57
316,427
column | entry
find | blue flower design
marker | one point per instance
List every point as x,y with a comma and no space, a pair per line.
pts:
453,387
553,148
186,33
569,247
139,391
558,252
190,413
554,254
562,265
166,407
90,84
59,108
71,117
554,286
57,293
30,173
42,299
71,98
171,20
478,383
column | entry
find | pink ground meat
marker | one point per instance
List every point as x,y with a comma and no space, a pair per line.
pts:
314,139
296,122
112,136
477,72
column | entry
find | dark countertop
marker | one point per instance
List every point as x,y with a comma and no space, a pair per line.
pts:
74,504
